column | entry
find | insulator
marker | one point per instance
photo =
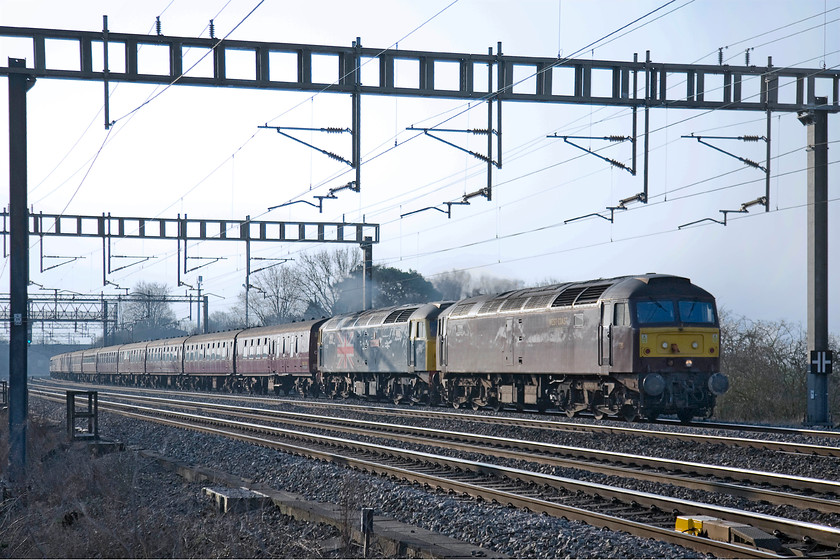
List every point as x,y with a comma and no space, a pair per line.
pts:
157,25
482,157
720,56
617,163
334,156
333,130
212,30
747,57
480,131
750,138
751,163
616,138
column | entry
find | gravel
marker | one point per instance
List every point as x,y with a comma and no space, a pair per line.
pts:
509,531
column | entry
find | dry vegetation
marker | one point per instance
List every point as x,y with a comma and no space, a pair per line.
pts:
767,365
120,505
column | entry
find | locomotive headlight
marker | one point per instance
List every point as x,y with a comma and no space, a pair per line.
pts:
695,345
665,345
689,363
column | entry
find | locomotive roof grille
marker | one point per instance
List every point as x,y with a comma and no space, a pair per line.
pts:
513,304
539,302
490,306
400,315
567,297
592,294
580,295
372,319
403,317
461,309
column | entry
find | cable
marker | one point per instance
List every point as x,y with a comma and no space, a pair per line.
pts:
82,182
184,73
463,108
659,129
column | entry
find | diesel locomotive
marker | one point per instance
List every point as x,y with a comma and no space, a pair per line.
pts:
632,346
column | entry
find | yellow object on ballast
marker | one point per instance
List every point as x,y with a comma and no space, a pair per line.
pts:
692,524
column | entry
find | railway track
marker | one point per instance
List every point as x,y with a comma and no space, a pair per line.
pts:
640,513
679,473
548,422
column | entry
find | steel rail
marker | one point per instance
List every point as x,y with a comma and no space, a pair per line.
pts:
827,536
180,420
550,450
554,425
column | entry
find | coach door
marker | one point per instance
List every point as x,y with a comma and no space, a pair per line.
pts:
605,352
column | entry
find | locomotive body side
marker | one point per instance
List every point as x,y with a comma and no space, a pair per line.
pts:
506,349
586,346
382,353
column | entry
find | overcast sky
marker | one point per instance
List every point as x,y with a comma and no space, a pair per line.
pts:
199,151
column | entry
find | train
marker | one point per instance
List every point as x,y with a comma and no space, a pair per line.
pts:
628,347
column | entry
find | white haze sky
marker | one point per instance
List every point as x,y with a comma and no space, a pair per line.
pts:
198,151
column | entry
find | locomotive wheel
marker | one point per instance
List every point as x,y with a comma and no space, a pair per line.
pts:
629,412
685,416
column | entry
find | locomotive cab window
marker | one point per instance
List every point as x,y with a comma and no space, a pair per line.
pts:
696,312
655,311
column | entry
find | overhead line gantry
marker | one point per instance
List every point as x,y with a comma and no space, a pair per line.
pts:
547,72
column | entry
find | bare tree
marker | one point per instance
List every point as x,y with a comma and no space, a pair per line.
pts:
767,365
280,296
320,274
226,320
147,312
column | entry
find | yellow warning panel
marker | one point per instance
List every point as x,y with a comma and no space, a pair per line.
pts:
692,524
